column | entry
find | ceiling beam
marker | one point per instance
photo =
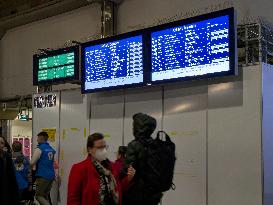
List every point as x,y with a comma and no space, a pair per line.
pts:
40,12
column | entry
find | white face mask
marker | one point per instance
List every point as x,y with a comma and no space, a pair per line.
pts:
101,154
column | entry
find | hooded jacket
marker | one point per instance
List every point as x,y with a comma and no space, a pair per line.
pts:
143,127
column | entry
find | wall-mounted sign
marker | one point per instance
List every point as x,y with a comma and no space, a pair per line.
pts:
55,67
43,101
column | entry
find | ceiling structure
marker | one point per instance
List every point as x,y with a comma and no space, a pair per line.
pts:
15,13
11,7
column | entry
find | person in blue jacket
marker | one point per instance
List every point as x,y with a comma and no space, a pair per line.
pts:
43,158
22,169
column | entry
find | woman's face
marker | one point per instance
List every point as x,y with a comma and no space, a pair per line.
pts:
2,143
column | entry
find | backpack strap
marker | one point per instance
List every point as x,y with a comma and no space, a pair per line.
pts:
167,137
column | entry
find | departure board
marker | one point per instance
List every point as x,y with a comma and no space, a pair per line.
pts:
201,48
113,64
57,66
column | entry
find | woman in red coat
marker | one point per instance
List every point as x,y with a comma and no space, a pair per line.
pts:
95,181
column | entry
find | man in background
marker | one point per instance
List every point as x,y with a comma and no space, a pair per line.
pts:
43,159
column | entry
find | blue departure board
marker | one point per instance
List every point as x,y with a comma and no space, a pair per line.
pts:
200,48
113,64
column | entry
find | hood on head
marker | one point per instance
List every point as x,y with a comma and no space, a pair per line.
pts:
143,125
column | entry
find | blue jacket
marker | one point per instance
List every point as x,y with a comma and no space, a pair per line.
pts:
45,168
21,164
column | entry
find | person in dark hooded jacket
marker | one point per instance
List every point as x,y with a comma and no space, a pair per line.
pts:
143,127
9,194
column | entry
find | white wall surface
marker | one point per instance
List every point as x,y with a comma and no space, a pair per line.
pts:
107,118
74,129
216,125
21,128
48,118
268,133
185,120
234,141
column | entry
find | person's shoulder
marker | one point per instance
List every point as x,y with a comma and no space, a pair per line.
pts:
134,142
82,164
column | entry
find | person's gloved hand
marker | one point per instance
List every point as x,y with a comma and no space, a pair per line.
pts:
131,172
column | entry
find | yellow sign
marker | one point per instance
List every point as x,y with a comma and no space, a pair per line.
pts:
73,129
62,172
62,154
84,132
64,134
51,133
173,133
107,135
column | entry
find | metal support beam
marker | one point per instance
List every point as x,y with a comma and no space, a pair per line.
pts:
108,18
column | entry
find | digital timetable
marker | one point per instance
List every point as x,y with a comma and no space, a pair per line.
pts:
113,63
189,50
56,66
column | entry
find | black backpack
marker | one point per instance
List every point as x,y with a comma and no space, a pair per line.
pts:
159,164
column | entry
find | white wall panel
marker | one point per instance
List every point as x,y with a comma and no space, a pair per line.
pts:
268,133
74,129
234,141
216,128
107,118
22,128
185,120
48,118
145,100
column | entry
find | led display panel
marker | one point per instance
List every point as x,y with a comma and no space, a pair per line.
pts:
58,66
112,63
194,48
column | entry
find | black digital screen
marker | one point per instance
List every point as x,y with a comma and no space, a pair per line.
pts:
202,46
113,63
58,66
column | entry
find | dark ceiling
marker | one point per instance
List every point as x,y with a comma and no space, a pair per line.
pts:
11,7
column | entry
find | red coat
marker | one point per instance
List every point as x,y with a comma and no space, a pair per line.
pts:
84,184
119,164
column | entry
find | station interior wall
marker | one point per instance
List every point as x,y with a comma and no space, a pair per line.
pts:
19,44
215,124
